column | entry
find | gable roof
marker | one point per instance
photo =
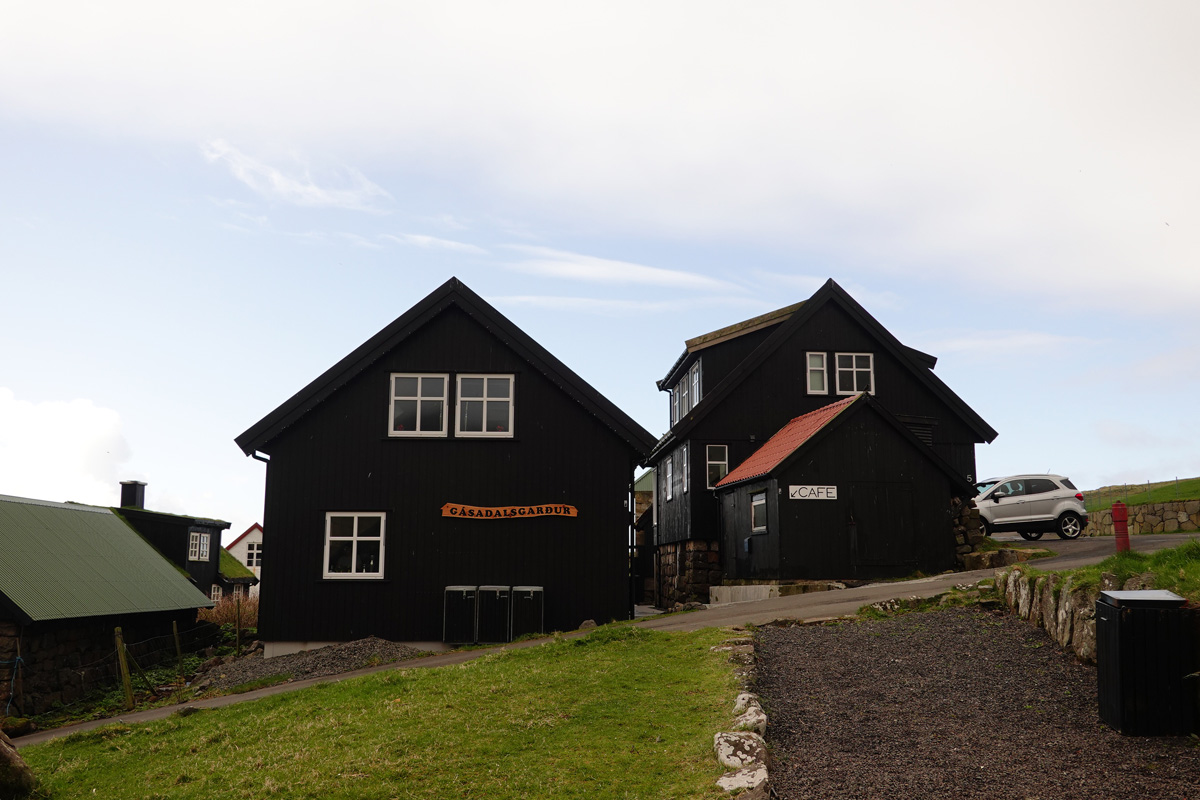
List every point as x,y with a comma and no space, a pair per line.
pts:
234,571
452,292
920,364
789,440
785,442
246,533
64,560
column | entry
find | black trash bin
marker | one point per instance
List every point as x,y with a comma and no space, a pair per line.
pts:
527,611
494,615
458,615
1146,646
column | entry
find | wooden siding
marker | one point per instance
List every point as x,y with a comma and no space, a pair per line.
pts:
338,457
890,517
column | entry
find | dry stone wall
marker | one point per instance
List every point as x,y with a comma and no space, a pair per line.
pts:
1183,515
686,570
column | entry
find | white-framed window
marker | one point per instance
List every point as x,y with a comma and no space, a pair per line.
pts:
197,546
215,593
254,554
818,382
717,456
674,406
239,590
418,404
670,478
758,512
695,375
855,373
485,406
354,544
686,468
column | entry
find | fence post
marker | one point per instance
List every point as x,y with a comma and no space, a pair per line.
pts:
125,681
238,637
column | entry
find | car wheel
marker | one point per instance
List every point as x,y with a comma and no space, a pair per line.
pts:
1031,536
1069,526
983,528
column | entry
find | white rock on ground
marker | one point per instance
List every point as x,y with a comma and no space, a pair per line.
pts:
741,749
750,783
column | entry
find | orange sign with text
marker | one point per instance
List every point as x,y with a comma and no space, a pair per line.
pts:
508,512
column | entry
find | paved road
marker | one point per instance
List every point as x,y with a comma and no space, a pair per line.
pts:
820,605
805,607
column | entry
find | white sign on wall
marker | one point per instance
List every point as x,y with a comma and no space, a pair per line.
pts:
812,493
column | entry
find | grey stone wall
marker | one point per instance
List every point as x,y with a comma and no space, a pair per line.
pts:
1183,515
686,570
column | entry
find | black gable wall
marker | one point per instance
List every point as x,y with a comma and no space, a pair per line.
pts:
338,457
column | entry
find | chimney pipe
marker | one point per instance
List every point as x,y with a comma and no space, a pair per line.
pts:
133,494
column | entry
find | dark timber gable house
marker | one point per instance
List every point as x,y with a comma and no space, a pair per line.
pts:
908,455
449,450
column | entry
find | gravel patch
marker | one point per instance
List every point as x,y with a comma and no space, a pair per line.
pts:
332,660
957,703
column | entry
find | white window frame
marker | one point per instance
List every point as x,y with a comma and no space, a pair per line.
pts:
853,371
758,498
198,546
239,590
392,398
685,397
686,467
382,539
216,593
253,554
512,405
695,376
669,476
709,461
823,370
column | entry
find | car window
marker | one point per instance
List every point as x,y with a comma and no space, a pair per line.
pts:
1067,483
1039,486
980,488
1010,489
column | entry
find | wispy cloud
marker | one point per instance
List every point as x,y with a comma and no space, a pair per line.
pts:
360,194
575,266
433,243
618,307
870,298
998,342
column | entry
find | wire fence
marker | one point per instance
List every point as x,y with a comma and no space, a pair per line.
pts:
153,665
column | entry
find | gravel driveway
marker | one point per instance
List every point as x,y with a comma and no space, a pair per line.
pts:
950,704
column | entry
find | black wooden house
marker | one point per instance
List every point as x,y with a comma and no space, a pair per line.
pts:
450,449
733,389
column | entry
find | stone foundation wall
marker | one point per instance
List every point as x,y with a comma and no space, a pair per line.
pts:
1183,515
967,535
686,570
60,662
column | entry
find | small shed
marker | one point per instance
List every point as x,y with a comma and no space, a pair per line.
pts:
69,575
846,491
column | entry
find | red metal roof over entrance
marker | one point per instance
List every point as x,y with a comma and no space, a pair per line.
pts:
785,442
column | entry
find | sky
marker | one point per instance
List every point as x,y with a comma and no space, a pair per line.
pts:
204,207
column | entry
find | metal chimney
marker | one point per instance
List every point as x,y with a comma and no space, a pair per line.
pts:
133,494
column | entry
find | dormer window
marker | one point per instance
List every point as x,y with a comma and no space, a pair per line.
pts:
686,394
485,406
418,406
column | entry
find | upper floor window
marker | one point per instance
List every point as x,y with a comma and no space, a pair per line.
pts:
354,545
686,393
817,377
855,373
685,396
718,463
198,546
418,404
254,554
695,377
670,477
485,405
686,468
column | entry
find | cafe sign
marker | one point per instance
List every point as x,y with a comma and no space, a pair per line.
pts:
812,493
508,512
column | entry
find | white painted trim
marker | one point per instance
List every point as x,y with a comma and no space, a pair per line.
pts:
512,406
853,370
392,398
809,370
354,538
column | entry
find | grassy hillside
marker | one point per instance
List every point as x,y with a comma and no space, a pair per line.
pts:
621,713
1143,493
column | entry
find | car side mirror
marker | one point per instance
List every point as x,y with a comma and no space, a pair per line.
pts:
996,498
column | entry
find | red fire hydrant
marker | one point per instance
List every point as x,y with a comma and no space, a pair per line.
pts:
1120,516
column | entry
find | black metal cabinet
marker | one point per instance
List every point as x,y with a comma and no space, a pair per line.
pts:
1146,647
458,615
528,611
494,609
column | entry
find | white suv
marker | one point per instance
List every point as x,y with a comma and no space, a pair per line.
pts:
1032,505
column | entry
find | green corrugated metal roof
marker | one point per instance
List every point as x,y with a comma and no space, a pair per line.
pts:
232,568
62,561
644,482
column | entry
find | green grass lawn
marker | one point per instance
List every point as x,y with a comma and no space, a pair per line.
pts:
1141,494
623,713
1176,569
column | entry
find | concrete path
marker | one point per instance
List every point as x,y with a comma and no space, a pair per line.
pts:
818,605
